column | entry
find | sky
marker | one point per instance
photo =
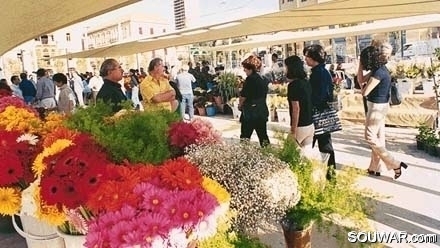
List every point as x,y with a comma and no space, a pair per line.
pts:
211,11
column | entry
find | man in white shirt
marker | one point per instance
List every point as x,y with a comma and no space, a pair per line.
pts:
95,84
16,91
184,82
78,86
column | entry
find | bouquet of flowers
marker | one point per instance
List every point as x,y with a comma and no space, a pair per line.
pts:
70,168
17,151
155,206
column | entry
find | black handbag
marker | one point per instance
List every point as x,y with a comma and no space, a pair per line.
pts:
326,121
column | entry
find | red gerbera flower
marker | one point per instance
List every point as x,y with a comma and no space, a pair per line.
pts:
51,189
11,170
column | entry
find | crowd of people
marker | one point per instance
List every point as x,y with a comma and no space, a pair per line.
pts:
159,89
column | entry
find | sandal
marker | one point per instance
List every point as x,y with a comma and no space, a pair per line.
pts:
398,171
373,173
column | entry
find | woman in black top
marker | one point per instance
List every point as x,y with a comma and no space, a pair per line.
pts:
252,102
299,96
322,93
377,91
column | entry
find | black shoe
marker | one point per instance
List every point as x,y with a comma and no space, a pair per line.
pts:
373,173
398,171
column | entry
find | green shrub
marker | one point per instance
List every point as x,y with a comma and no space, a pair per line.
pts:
139,137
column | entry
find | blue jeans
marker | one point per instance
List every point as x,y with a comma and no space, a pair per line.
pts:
29,99
187,102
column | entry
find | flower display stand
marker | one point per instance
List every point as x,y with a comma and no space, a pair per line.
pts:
283,116
37,233
72,241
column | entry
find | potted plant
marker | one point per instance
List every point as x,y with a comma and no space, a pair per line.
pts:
210,109
199,104
227,85
421,136
431,142
323,204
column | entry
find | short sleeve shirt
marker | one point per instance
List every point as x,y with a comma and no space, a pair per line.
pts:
151,87
301,91
381,93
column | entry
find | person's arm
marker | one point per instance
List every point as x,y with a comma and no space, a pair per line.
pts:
362,79
164,97
39,94
371,84
241,100
295,117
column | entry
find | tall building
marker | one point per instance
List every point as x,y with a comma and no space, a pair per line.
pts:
186,13
179,14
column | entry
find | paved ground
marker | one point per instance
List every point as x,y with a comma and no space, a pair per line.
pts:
411,203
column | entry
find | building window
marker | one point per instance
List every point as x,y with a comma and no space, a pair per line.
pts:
67,36
303,0
141,32
151,31
164,30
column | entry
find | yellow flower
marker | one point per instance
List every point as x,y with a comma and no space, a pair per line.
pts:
52,121
58,146
214,188
19,119
9,201
48,213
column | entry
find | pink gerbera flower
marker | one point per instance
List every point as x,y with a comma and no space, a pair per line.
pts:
77,220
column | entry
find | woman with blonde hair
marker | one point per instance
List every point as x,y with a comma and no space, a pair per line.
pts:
377,91
252,102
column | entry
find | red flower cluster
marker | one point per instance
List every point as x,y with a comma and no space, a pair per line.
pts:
182,134
16,160
74,174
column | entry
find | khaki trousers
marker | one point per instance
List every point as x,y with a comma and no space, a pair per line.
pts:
304,136
375,137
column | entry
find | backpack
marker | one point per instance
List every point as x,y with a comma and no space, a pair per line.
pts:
395,96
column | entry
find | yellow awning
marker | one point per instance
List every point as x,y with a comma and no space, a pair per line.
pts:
329,13
23,20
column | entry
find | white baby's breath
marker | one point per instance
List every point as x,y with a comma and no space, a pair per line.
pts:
258,193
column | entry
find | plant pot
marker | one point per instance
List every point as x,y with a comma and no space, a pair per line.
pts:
431,150
405,86
428,87
420,144
438,150
72,241
210,110
37,233
201,111
235,112
297,238
283,116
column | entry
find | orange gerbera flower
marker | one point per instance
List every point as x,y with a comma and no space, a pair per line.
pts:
111,196
180,173
59,133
